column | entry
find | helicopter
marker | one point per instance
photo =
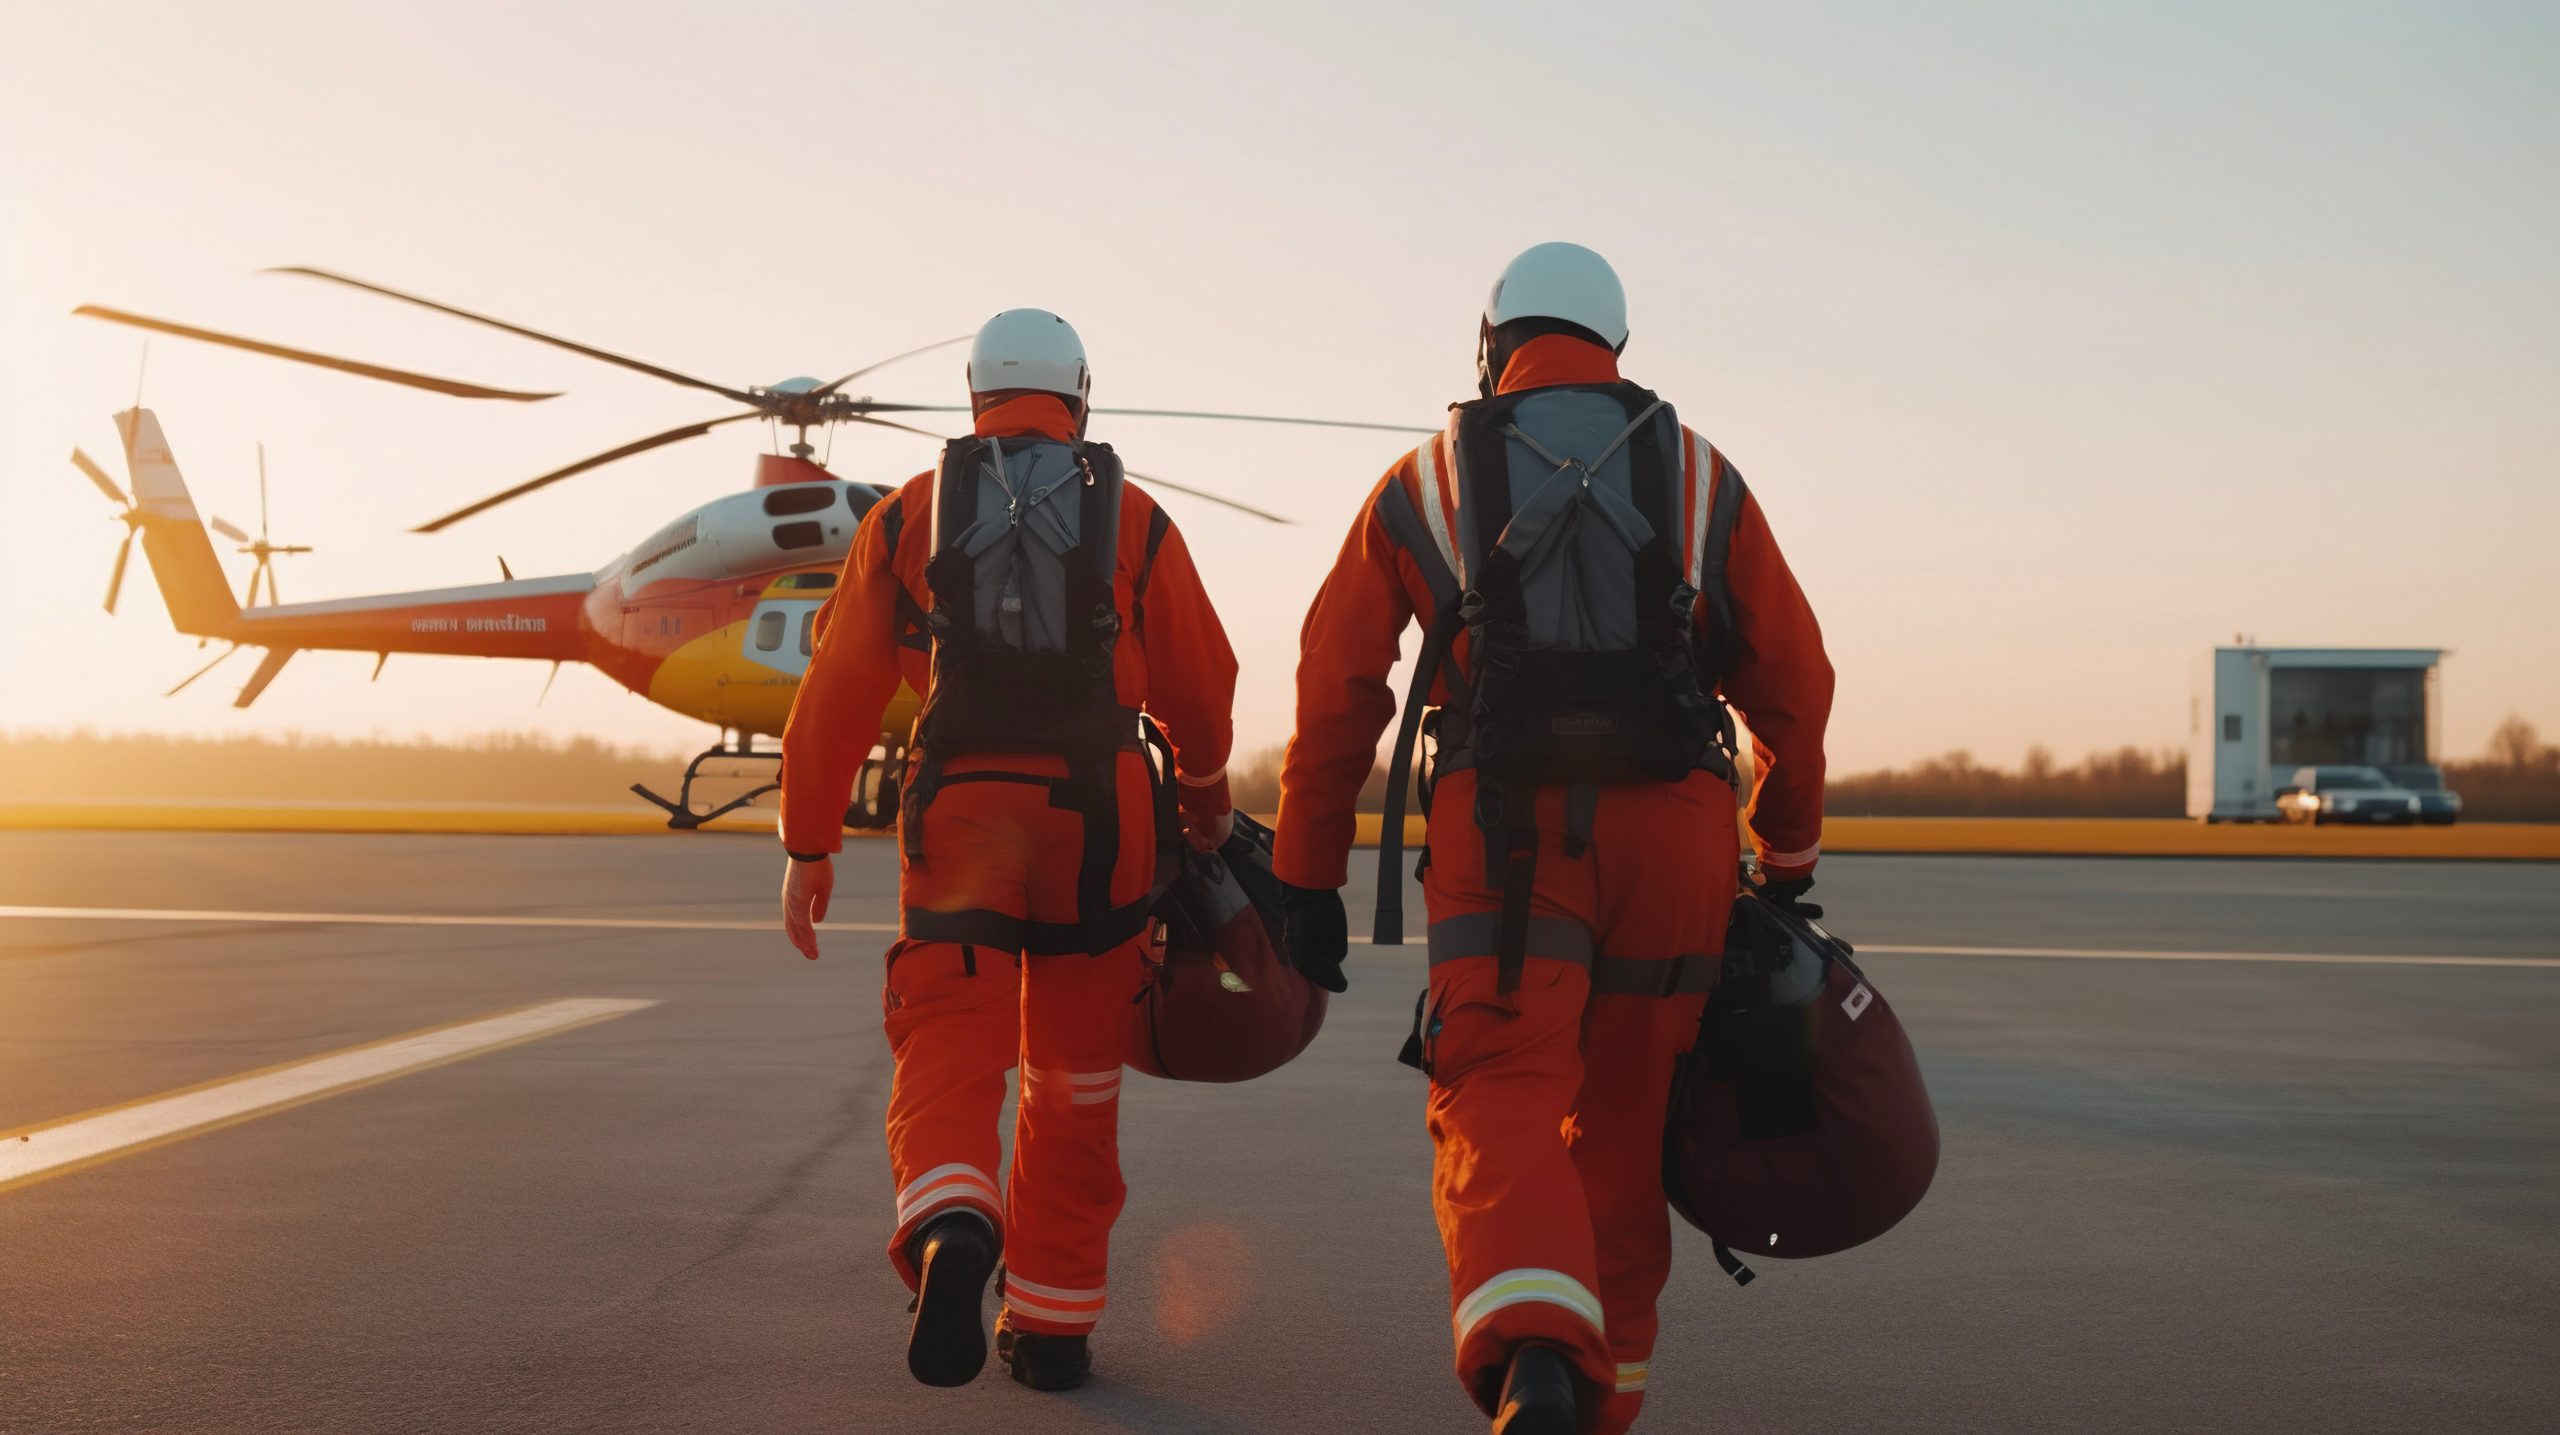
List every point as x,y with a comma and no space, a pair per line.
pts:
713,615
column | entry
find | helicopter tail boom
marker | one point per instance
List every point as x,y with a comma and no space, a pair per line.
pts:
174,538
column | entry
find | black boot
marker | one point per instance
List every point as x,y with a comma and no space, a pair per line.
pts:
1537,1396
948,1343
1044,1362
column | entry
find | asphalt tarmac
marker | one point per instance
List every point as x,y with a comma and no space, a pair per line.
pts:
2177,1194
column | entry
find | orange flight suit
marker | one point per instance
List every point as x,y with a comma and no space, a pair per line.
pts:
1547,1103
964,1000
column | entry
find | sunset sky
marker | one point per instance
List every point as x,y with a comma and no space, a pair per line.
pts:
2060,342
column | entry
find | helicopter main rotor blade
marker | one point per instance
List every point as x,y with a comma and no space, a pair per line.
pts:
98,476
894,424
429,382
581,466
1265,419
1208,497
868,407
619,360
115,580
893,359
224,528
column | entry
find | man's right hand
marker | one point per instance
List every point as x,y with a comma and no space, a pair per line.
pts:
1788,893
806,888
1316,934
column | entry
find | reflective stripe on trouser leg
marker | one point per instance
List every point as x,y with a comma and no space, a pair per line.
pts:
954,1184
1075,1088
1066,1190
1518,1287
1057,1307
954,1027
1505,1068
1619,1408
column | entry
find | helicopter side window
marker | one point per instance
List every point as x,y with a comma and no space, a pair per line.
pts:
800,498
807,533
808,633
860,497
769,631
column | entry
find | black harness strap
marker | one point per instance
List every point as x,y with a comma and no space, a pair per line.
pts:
893,527
1683,975
1713,583
1581,811
1159,523
1395,510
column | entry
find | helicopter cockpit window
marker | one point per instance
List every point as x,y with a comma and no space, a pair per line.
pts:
807,533
769,631
819,579
800,498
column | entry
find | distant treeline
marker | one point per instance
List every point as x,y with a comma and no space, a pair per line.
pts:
2126,783
2518,780
512,767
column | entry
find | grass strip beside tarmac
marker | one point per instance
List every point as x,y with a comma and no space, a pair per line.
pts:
1978,836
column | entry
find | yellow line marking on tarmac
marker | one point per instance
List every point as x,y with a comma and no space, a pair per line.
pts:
706,924
421,919
73,1143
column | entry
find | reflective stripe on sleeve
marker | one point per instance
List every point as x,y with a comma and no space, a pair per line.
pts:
1792,859
1631,1375
1702,468
1212,780
1520,1287
1434,511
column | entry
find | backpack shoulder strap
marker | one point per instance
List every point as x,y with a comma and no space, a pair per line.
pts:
1395,511
1098,527
893,527
1715,582
1159,523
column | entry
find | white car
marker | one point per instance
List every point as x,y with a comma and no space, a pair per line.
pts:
2346,794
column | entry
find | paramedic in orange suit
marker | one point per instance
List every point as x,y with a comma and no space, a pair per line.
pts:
1548,1088
1029,841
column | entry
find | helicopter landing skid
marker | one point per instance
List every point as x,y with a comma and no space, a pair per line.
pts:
680,813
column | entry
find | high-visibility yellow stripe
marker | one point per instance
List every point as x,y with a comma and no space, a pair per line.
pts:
1517,1287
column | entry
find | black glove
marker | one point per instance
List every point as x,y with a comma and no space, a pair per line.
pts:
1789,896
1315,934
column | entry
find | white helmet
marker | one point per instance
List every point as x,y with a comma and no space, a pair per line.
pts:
1561,281
1029,349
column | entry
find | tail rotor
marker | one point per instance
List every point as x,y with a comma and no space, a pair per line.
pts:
262,548
127,511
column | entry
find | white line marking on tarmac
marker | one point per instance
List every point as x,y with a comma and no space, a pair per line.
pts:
66,1145
421,919
705,924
